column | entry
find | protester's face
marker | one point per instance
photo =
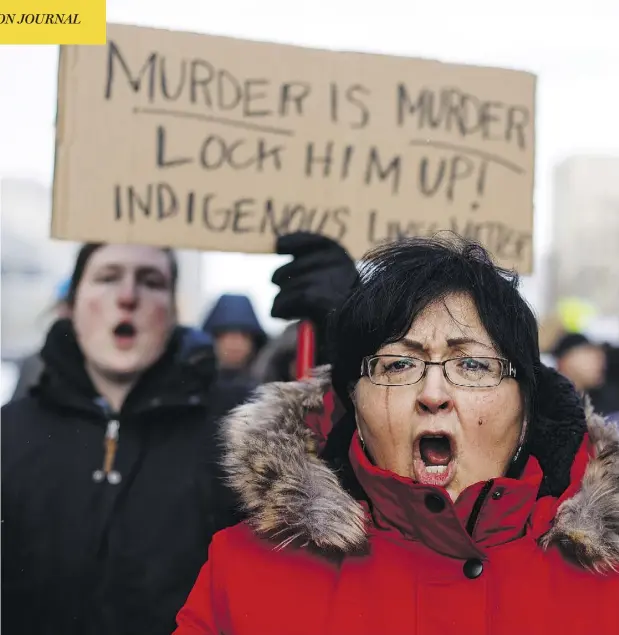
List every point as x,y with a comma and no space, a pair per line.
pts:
434,432
234,348
584,366
124,309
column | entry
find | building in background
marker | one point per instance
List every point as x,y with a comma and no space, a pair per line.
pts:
33,265
585,260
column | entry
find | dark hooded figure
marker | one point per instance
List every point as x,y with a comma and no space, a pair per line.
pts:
237,333
439,479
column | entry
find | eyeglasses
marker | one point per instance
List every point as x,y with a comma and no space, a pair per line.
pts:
469,372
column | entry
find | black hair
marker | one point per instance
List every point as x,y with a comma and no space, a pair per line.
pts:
84,255
399,280
569,342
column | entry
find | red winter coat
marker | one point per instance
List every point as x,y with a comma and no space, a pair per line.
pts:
533,556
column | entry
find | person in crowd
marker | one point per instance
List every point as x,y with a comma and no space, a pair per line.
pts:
277,361
447,483
237,333
31,367
590,368
581,361
110,491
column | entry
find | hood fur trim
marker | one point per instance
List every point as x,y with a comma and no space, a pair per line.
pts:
271,459
586,527
291,495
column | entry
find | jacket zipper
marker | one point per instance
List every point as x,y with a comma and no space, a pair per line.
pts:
483,494
110,446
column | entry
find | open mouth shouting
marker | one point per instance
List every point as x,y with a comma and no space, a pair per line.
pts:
125,334
434,459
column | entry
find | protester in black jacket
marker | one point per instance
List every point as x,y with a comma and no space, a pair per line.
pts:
111,489
110,485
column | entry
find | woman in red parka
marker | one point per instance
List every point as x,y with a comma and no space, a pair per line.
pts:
463,490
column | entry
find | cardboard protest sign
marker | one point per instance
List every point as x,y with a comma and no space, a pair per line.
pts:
213,143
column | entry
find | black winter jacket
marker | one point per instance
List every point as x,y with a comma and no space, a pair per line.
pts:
83,554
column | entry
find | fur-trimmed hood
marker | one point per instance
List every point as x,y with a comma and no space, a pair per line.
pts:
272,458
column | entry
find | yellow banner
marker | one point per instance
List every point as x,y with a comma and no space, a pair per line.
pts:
52,22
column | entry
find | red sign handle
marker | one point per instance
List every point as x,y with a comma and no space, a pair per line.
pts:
306,343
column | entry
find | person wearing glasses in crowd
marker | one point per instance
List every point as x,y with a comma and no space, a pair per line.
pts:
439,479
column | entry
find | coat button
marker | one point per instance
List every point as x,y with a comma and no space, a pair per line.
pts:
435,503
473,568
497,494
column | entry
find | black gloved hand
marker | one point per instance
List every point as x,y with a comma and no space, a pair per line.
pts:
316,281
